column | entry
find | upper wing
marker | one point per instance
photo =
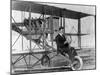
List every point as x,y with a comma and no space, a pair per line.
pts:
35,7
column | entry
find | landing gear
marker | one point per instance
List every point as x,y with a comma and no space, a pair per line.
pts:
77,63
45,61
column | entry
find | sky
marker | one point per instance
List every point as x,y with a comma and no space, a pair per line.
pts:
87,25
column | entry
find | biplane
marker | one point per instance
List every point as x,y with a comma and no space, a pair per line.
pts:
37,30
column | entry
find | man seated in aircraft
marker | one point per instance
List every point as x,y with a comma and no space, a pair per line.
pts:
61,40
63,45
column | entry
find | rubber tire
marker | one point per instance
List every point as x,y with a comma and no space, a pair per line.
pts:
77,58
45,61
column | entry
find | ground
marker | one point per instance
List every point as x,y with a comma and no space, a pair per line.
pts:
87,55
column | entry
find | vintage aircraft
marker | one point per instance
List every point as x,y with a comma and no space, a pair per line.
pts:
36,30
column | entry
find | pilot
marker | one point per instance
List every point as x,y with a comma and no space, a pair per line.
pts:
63,45
61,41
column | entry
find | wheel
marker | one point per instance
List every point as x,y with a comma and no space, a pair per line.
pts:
77,63
45,61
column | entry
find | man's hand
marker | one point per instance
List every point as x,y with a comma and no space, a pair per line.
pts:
65,42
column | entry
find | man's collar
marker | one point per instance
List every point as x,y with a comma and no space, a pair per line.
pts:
60,34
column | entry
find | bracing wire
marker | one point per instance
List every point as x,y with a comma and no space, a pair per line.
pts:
71,32
70,35
19,34
16,40
22,27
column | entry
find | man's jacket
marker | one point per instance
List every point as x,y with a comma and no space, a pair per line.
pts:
60,39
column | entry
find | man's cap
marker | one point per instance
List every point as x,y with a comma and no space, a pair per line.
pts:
61,28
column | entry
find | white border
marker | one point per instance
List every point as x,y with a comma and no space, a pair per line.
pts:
5,37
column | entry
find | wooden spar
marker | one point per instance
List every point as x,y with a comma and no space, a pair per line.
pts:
22,29
30,32
79,32
43,28
30,23
50,26
64,24
60,21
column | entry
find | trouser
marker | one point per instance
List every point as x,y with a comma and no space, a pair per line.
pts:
70,51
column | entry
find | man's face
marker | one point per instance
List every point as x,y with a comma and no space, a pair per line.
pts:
62,31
